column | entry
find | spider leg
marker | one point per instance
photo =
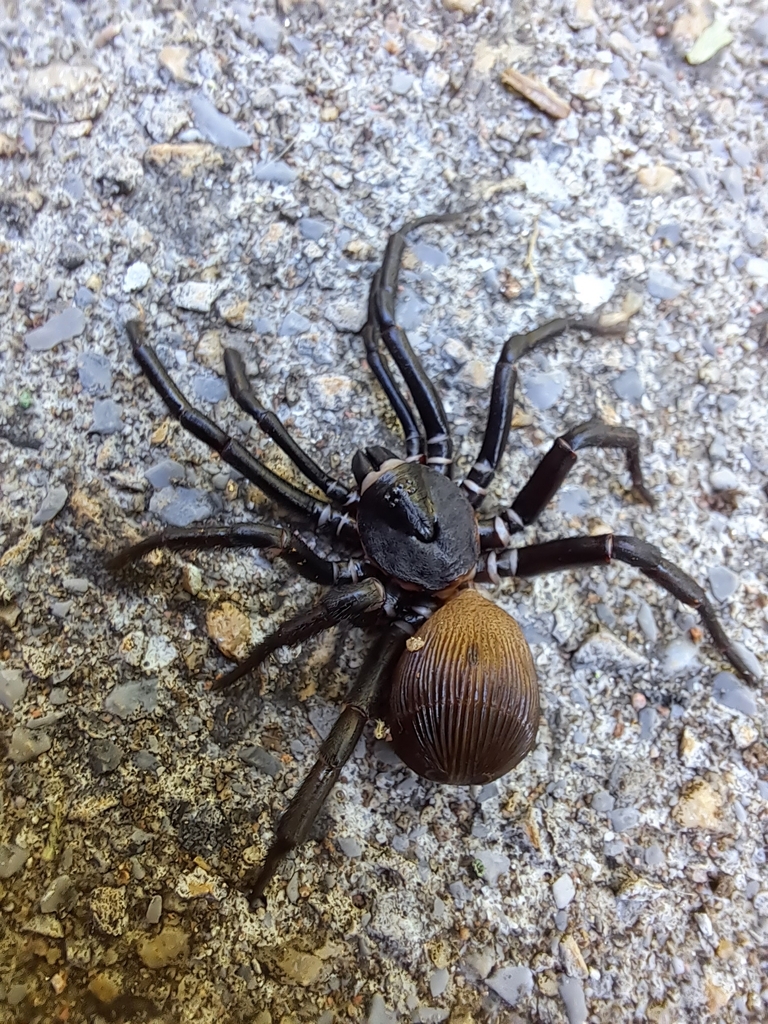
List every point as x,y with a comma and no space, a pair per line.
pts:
230,450
361,703
414,442
244,535
242,392
382,307
342,603
573,552
481,474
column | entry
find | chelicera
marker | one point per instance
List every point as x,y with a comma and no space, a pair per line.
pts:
450,672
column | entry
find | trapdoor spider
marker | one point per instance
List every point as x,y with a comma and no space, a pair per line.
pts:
450,672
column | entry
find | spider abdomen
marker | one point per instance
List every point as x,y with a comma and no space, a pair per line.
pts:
464,703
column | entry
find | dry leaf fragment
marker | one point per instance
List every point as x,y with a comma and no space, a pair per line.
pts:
711,41
536,92
175,58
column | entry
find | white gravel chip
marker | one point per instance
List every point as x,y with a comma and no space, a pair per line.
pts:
723,480
137,276
758,269
198,296
592,291
563,891
678,656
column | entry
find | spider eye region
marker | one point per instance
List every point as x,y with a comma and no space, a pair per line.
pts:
418,527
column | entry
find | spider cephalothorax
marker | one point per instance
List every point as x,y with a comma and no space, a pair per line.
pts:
451,672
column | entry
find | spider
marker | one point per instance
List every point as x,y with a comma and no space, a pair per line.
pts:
450,673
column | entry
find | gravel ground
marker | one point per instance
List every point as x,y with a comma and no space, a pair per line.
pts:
231,173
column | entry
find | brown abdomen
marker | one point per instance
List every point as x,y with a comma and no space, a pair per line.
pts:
464,705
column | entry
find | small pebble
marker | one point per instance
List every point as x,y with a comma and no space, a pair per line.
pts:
210,389
494,864
217,127
623,818
60,893
276,171
154,910
402,83
126,699
574,501
544,389
722,582
162,474
629,386
261,759
27,744
12,687
72,255
107,418
12,859
678,656
648,718
647,622
654,856
137,276
313,229
511,983
269,32
563,891
572,993
662,285
104,756
293,324
732,693
349,847
197,296
602,801
379,1012
60,327
53,503
733,179
94,371
181,506
723,480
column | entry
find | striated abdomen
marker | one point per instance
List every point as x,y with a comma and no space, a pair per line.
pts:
464,704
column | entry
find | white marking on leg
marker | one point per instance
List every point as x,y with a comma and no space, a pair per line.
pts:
501,532
491,570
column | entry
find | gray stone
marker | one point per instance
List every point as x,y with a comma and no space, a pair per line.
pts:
722,582
379,1013
210,389
544,389
401,83
511,983
572,993
72,255
429,254
293,324
162,474
154,910
629,386
740,154
602,801
217,127
349,846
494,864
269,33
759,30
59,895
662,285
107,418
12,859
277,171
27,744
104,756
733,180
574,501
94,371
259,758
181,506
654,856
438,982
313,229
647,622
732,693
53,503
648,718
602,650
127,698
623,818
12,687
197,296
58,328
